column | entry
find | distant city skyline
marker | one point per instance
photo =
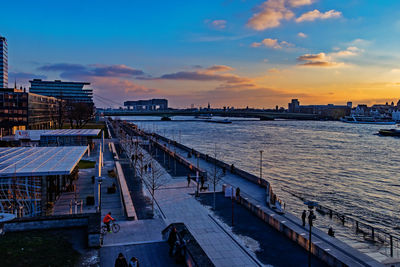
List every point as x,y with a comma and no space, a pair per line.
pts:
229,53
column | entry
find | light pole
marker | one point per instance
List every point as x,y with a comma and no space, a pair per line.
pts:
197,175
311,218
261,151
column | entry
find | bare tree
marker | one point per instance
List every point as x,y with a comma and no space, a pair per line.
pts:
80,113
155,178
215,174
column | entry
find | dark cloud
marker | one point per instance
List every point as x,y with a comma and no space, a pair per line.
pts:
23,76
312,57
207,74
62,67
319,64
78,71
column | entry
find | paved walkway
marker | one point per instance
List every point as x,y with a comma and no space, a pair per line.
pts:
256,194
178,204
110,202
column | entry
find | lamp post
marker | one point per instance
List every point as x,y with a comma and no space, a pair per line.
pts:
311,218
197,175
261,151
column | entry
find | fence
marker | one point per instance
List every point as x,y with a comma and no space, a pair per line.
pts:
389,243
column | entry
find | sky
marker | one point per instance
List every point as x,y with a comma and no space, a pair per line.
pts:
227,53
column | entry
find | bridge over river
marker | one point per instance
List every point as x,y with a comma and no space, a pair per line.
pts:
262,115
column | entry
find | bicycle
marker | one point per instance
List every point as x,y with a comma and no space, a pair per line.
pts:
113,226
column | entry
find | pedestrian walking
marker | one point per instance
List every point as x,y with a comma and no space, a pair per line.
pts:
134,262
121,261
188,179
303,217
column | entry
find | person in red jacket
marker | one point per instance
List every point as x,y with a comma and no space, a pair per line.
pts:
107,220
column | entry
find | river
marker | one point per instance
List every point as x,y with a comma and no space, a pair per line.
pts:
347,167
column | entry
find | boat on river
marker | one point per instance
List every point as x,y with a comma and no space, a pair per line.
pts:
224,121
389,132
204,117
367,120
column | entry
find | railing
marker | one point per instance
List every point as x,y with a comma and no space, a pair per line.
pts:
389,243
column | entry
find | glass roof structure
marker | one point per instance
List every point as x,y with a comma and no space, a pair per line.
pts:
72,132
39,161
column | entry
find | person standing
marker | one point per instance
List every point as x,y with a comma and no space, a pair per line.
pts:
202,182
121,261
188,179
134,262
303,217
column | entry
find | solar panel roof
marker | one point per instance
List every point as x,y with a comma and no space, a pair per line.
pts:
39,161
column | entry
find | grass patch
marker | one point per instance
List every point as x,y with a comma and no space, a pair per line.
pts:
86,164
36,248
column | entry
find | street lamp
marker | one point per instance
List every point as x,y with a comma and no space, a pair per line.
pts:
261,151
197,175
311,218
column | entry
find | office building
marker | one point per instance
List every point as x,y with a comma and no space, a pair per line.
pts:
3,63
20,110
144,105
71,92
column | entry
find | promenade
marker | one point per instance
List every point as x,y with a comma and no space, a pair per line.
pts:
177,203
256,194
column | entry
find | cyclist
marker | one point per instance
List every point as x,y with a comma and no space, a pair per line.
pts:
107,220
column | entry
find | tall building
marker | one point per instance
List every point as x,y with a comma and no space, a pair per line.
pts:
72,92
3,63
294,106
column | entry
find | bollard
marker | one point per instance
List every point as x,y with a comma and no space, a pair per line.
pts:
373,233
81,205
357,229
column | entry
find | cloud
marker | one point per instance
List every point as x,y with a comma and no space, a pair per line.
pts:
212,73
349,52
24,76
272,43
318,60
270,15
62,67
77,71
219,68
218,24
316,14
312,57
297,3
330,59
302,35
118,90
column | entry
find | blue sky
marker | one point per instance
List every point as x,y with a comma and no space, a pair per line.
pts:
267,51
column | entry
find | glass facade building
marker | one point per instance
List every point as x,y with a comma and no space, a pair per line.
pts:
71,92
3,63
20,111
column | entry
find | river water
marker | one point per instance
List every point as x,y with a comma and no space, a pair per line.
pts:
346,167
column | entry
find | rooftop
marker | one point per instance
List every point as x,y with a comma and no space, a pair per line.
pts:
39,161
72,132
35,135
